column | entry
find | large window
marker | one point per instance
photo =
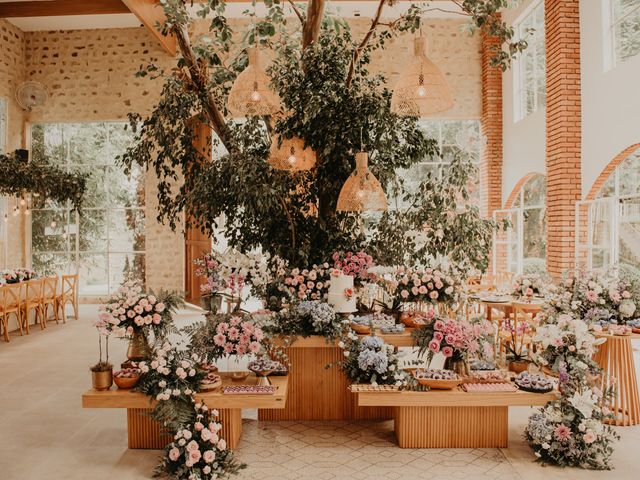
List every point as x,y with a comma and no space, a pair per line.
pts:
105,242
529,69
625,29
523,247
609,226
453,136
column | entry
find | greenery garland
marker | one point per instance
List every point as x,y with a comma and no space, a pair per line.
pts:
18,177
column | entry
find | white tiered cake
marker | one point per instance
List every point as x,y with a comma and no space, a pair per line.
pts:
341,294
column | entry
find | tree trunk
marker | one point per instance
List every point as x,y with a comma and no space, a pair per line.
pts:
311,30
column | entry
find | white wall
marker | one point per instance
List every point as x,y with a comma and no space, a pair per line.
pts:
523,141
610,99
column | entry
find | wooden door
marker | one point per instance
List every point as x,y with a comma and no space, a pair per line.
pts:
196,242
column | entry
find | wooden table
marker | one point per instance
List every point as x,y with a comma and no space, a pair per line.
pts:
615,357
145,433
452,418
320,393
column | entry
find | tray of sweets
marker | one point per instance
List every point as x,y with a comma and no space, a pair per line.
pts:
486,376
489,387
249,389
367,388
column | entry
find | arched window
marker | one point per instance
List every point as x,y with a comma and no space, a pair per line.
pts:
522,248
608,222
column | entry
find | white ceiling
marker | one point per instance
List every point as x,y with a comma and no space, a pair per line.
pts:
347,9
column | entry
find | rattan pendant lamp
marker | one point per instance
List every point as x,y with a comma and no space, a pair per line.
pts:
362,190
250,94
291,155
422,89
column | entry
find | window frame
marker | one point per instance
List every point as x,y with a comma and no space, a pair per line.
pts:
518,76
72,217
611,23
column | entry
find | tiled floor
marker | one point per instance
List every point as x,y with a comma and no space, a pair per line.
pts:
45,434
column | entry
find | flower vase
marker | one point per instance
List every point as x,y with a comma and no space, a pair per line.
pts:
138,347
211,303
457,365
518,366
102,380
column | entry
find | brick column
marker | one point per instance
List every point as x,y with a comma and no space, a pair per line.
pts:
563,130
491,161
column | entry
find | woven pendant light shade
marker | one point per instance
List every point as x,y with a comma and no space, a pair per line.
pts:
422,89
250,94
362,190
291,155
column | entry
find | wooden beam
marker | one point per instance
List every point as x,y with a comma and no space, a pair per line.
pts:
56,8
150,13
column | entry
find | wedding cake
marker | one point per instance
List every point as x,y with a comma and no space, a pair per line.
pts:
341,294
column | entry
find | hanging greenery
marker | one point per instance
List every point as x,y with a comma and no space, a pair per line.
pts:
332,102
19,177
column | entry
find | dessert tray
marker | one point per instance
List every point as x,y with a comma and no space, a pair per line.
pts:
210,382
489,387
249,389
437,379
486,376
396,329
368,388
534,383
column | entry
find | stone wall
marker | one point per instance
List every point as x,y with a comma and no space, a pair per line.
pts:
12,74
90,75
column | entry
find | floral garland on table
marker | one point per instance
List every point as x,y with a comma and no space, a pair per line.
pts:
131,311
526,286
17,275
457,339
198,451
371,360
569,431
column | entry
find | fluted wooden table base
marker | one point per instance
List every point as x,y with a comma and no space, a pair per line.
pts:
319,393
145,433
452,427
615,357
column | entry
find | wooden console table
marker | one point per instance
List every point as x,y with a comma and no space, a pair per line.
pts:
320,393
452,418
145,433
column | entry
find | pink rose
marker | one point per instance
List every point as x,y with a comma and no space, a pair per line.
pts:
198,426
156,319
174,454
192,446
589,437
222,445
404,294
206,434
415,290
254,347
422,290
195,456
438,336
439,325
447,351
209,456
433,295
160,307
434,346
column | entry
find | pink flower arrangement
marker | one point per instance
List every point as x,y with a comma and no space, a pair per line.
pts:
526,286
354,264
308,283
132,310
236,335
198,450
454,338
424,285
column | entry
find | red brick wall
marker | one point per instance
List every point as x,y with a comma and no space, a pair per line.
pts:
563,130
491,162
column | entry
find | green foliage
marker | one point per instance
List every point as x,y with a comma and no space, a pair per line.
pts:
18,177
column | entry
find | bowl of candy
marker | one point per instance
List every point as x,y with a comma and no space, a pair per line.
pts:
127,378
415,319
437,379
533,382
263,367
211,381
361,325
482,365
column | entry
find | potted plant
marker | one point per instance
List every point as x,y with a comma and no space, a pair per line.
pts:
102,372
517,357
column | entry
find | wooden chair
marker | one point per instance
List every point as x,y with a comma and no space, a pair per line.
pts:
522,313
10,302
68,294
33,301
49,296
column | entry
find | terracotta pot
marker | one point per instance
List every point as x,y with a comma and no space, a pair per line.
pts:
125,383
102,380
457,365
138,347
518,366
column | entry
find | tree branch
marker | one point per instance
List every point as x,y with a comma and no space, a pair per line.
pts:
297,12
311,28
365,40
211,111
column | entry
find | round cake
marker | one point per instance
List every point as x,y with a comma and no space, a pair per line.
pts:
341,294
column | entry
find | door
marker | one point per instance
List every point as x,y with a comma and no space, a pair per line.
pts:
197,243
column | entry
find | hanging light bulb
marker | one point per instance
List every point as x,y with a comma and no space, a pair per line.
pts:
362,190
53,224
22,202
290,154
250,94
422,89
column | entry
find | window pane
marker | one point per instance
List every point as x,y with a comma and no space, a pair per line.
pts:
93,274
130,266
629,175
126,230
93,230
535,191
531,64
626,28
629,241
51,231
125,191
53,263
535,233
